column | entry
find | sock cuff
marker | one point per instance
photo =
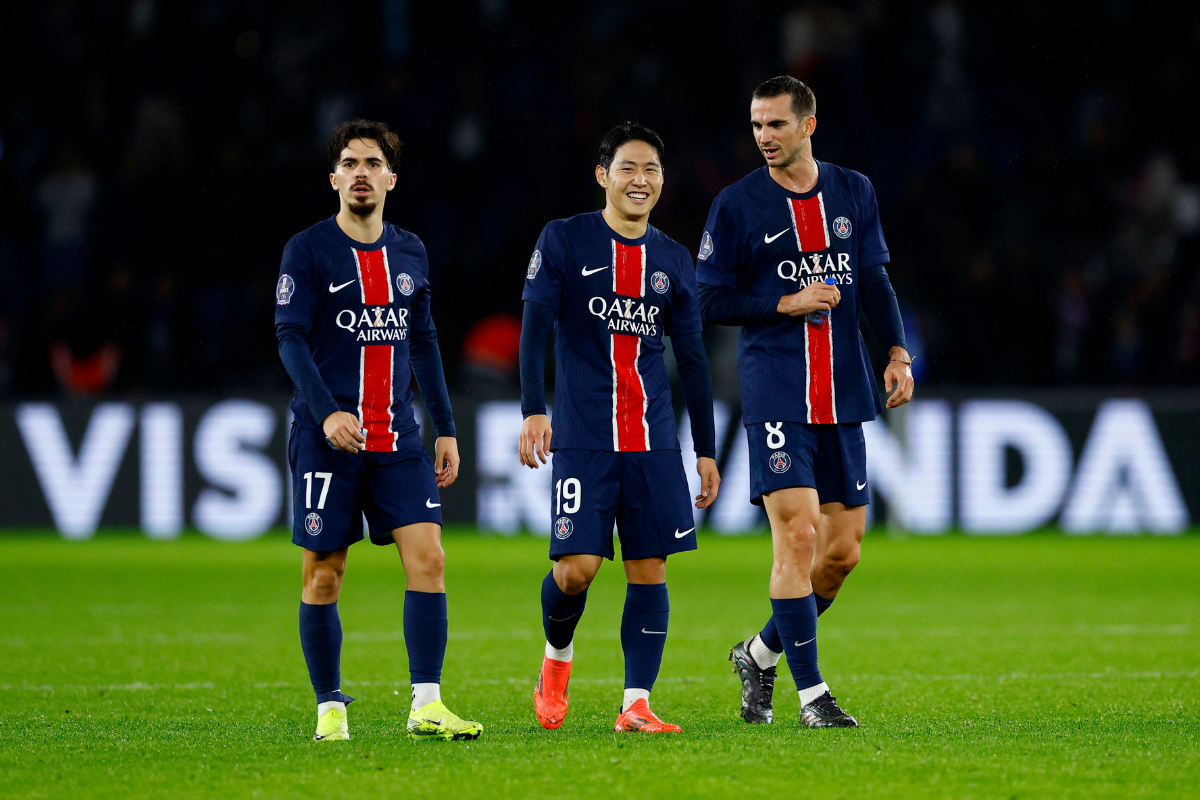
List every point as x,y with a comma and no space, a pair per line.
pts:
648,596
318,609
792,605
428,602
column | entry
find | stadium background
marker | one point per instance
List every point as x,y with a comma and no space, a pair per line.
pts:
1037,182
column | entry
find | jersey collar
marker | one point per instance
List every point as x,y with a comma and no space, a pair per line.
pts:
821,172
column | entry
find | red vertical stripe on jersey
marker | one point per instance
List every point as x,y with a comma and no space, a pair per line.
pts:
373,277
630,430
818,361
630,433
375,397
808,220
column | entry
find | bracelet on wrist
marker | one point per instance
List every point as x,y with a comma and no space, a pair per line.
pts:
902,361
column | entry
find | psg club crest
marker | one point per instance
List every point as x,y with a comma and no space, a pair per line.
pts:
779,461
660,282
313,524
841,228
535,264
405,284
285,289
706,247
563,527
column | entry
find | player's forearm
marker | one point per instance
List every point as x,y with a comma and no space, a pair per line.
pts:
696,381
292,341
536,323
879,301
426,359
722,306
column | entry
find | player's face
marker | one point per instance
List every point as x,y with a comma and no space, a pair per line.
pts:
779,135
633,181
362,177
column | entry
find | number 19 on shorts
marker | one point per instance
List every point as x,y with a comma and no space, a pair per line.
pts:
570,491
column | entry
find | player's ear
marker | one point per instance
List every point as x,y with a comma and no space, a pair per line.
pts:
392,182
333,181
602,176
810,125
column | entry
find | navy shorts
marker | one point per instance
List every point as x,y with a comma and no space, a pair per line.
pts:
333,490
645,494
830,458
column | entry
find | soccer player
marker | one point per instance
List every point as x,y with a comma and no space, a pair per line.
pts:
791,253
611,285
353,325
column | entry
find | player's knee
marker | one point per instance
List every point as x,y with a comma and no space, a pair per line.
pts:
572,578
323,583
798,535
428,563
841,561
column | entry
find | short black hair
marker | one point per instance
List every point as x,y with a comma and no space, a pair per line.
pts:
353,129
627,132
804,102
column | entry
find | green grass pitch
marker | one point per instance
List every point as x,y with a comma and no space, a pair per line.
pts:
1037,666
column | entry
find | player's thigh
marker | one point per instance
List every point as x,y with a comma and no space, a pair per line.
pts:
654,518
781,457
840,532
585,486
420,548
326,488
402,491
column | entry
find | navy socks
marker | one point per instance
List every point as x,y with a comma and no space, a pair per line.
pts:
822,603
644,633
560,612
425,635
796,620
770,634
321,641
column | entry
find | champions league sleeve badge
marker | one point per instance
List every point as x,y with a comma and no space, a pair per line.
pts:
284,290
535,264
841,227
706,246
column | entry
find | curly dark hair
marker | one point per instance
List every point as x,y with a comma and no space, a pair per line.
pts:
353,129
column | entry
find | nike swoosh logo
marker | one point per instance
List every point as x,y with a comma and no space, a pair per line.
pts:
769,239
860,486
333,288
679,535
564,619
587,271
801,644
430,504
663,633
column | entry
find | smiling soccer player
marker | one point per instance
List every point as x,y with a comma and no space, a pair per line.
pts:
610,285
791,253
352,322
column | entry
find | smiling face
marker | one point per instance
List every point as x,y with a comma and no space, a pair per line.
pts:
362,177
633,181
781,137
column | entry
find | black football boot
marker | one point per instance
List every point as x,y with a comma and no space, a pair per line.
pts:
758,685
824,712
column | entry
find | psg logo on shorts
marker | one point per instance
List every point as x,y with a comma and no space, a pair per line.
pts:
405,284
841,227
285,289
706,247
779,461
563,527
660,282
535,263
313,524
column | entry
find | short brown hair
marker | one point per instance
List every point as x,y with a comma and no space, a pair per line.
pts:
804,102
353,129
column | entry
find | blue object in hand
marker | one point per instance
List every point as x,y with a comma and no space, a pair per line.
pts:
819,317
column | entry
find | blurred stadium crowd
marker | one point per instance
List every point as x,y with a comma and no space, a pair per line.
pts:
1035,168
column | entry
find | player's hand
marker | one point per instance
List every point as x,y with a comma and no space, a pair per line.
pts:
710,481
900,376
535,439
344,431
446,460
818,296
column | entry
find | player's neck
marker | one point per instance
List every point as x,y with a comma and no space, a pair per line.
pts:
800,176
629,227
367,230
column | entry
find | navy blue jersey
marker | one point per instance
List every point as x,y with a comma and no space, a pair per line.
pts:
766,241
613,298
359,303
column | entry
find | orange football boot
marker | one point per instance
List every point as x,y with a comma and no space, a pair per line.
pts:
550,694
639,717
